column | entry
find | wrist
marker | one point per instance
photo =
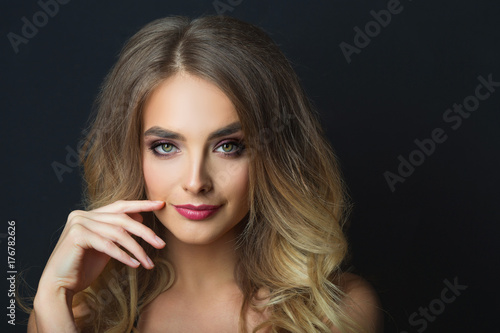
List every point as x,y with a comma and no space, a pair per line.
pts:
53,311
50,294
51,305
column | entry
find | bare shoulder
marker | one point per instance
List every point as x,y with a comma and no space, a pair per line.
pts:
363,303
32,323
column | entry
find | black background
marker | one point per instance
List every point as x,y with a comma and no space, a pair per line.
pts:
440,223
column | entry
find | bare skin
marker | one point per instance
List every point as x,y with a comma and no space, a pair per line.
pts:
55,292
88,241
204,298
198,169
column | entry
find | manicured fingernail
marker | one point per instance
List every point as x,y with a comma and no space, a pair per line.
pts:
134,261
150,261
159,241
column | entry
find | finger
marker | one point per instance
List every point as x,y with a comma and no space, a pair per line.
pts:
120,236
125,222
87,239
131,206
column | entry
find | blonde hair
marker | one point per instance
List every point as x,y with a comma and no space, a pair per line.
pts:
292,244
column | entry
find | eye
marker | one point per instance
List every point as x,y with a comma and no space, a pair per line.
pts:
230,148
227,147
163,148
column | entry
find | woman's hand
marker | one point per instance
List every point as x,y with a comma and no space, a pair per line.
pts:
89,240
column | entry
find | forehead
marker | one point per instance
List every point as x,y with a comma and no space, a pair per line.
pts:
188,104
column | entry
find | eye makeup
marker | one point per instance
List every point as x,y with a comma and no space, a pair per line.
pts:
231,147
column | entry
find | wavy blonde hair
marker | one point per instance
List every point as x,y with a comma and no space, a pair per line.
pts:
292,244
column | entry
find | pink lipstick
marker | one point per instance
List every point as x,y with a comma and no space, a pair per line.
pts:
200,212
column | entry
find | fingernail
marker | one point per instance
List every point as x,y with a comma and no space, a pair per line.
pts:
134,261
157,202
159,241
150,261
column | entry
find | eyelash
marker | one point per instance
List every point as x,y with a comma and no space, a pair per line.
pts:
239,148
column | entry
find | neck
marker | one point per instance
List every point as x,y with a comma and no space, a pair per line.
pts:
202,267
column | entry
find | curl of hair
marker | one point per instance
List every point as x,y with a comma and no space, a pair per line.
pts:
292,245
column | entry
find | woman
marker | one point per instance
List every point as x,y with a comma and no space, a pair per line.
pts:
214,201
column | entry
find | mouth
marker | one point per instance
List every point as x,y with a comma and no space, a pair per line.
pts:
197,213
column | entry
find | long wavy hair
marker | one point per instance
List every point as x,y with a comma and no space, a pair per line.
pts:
292,244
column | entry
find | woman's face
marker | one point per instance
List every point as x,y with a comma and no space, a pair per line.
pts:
193,154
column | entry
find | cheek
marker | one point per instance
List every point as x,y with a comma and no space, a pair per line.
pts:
157,179
235,181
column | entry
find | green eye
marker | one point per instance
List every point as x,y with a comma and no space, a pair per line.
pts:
166,147
227,147
231,148
163,148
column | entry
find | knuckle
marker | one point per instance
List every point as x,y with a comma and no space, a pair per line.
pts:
76,232
120,230
75,229
149,233
108,245
139,251
75,215
145,232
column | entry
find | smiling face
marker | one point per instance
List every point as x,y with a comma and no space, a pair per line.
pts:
193,155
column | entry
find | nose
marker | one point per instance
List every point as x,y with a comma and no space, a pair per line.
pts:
197,178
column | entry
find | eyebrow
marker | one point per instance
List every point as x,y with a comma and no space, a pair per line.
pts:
167,134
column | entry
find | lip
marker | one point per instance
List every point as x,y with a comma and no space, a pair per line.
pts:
197,213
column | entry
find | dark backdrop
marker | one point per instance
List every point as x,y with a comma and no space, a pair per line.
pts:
383,90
